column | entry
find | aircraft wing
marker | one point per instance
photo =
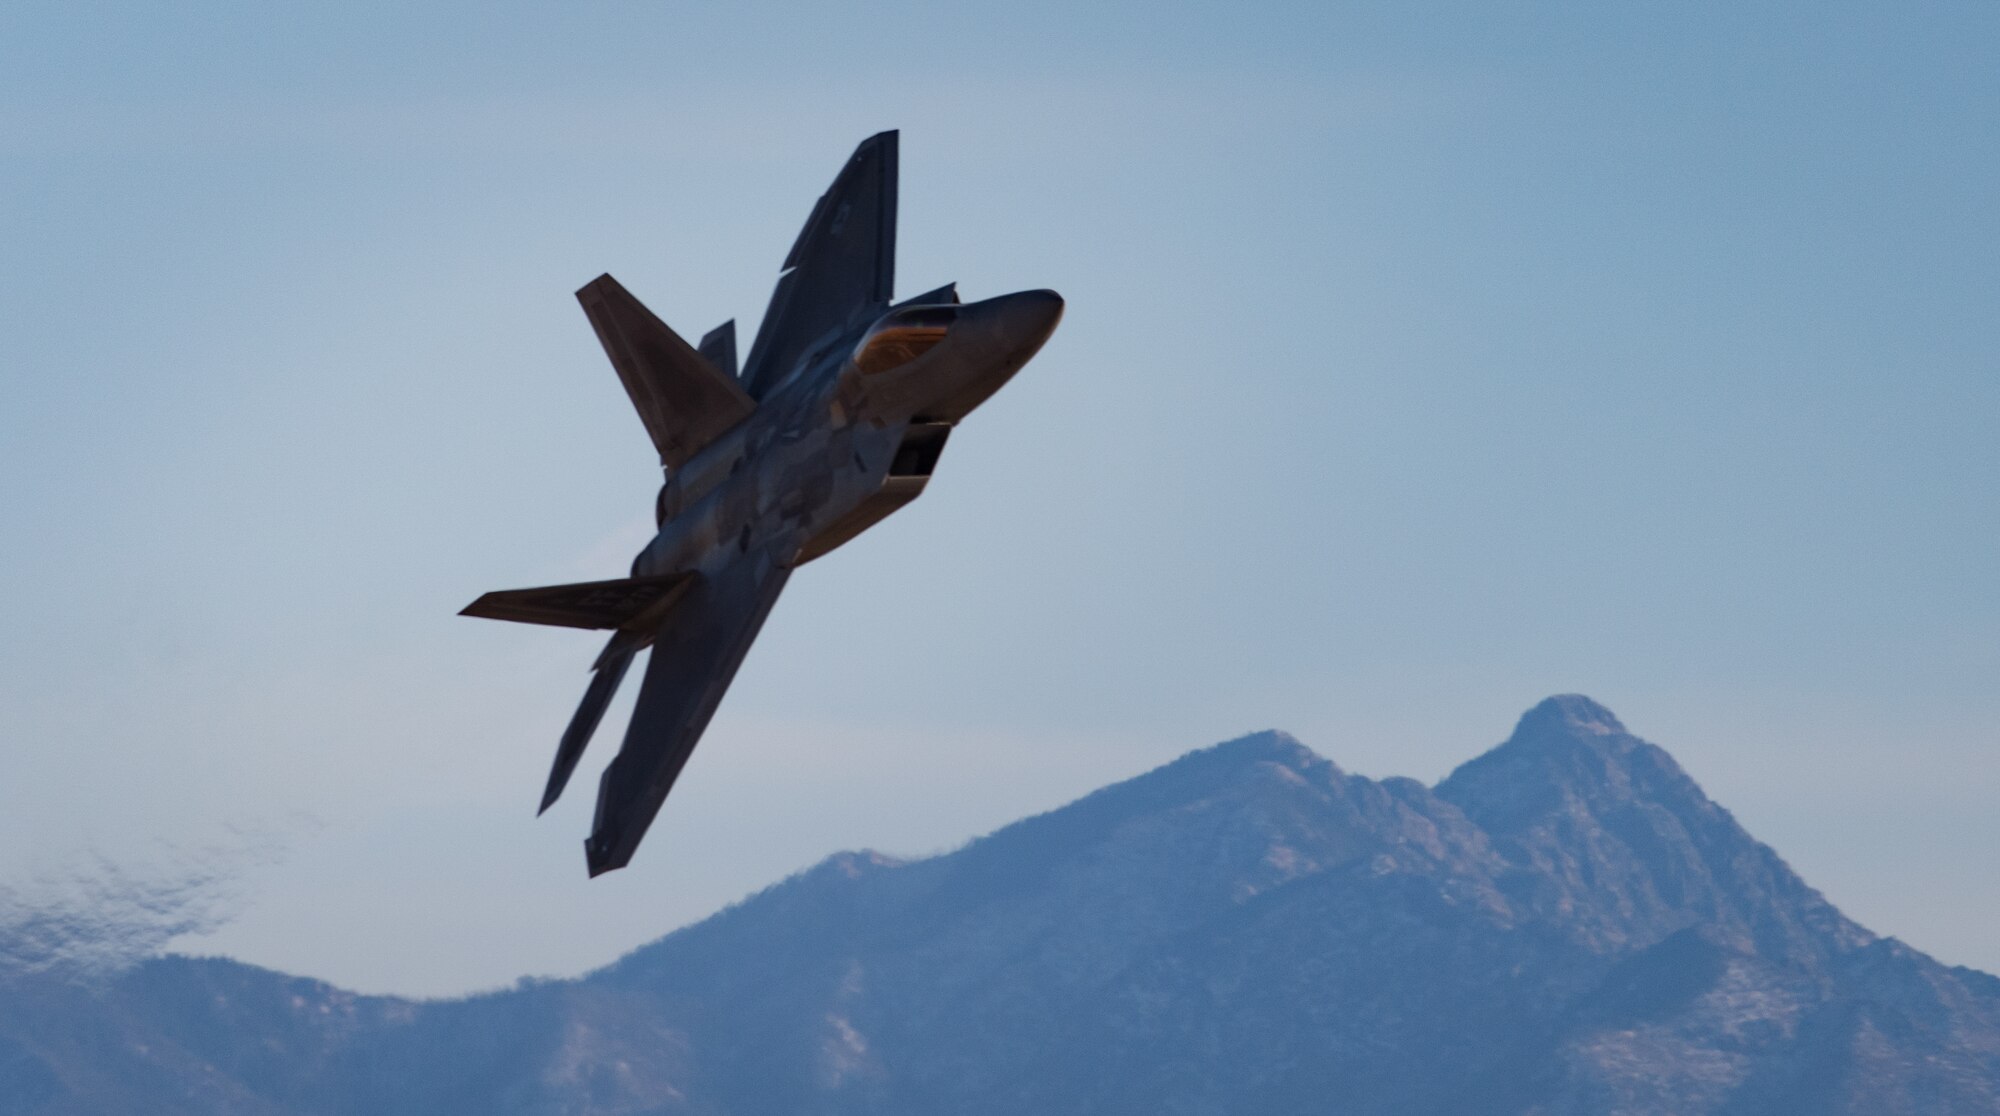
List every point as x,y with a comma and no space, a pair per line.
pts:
840,271
694,657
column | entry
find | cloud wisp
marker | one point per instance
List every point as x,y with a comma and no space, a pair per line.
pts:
95,919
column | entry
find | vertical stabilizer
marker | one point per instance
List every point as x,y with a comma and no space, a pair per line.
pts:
684,400
718,345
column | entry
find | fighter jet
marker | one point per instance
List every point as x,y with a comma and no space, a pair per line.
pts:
835,421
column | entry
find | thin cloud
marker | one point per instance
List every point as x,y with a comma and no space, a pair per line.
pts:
104,916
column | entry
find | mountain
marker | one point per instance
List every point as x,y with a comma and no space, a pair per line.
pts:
1565,925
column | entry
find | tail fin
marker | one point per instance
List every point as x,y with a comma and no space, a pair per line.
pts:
684,400
718,345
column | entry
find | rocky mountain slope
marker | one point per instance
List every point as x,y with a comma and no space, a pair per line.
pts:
1566,925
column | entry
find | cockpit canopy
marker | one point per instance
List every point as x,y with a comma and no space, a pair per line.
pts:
902,336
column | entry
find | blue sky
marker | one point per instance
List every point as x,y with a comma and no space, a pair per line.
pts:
1421,361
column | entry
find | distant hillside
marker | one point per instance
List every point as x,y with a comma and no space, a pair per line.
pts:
1566,925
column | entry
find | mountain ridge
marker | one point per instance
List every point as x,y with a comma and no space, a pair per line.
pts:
1564,924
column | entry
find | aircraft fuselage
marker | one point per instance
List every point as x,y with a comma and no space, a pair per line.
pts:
836,448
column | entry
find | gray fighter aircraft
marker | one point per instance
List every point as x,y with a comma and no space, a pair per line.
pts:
836,420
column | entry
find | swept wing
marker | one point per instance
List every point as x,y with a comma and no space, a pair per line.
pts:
695,655
840,271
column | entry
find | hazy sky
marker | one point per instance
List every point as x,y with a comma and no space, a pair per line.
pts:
1421,361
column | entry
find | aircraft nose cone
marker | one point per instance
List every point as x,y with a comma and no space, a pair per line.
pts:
1016,325
990,342
1030,313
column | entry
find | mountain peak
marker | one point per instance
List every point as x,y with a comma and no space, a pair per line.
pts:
1274,745
1569,715
1568,741
1567,748
1566,927
1627,839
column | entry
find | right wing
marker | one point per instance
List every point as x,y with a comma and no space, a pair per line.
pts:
840,271
695,655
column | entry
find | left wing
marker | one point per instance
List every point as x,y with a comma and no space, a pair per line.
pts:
839,272
695,655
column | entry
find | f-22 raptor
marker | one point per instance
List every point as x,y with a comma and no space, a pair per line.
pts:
835,421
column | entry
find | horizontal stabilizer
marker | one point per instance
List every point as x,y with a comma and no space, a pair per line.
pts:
630,602
603,685
684,400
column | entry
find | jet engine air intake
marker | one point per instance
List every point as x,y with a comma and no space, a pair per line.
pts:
902,336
